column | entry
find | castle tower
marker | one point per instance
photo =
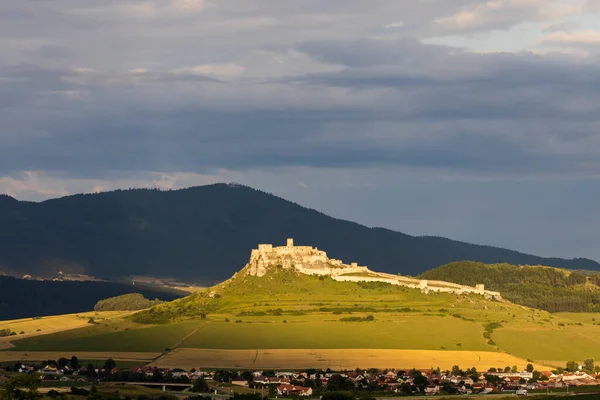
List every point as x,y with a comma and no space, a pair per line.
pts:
290,242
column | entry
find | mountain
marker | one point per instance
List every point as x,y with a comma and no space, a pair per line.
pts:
205,233
546,288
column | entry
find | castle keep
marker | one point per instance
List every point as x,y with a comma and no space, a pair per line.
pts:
312,261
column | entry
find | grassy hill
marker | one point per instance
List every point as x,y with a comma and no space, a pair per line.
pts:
286,310
126,302
206,232
546,288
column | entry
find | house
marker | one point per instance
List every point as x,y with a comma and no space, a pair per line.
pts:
291,390
432,389
239,381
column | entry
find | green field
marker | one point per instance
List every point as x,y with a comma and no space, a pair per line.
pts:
312,308
133,338
396,332
558,344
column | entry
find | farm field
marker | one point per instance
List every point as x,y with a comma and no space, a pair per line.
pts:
284,314
552,345
386,331
336,359
141,357
120,336
45,325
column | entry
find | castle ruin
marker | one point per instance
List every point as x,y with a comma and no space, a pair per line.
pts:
312,261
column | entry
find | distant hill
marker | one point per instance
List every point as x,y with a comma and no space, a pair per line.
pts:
28,298
545,288
126,302
206,233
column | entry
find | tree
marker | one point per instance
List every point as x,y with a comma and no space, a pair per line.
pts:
514,369
62,362
74,362
91,372
200,386
21,387
572,366
588,364
109,365
338,382
248,376
507,369
456,371
529,368
337,396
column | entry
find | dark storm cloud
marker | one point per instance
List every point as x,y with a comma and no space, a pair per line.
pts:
356,102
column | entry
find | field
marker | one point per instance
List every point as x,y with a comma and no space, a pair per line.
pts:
336,359
286,316
392,332
117,336
29,327
142,358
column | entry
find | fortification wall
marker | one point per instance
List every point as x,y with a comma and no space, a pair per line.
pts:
312,261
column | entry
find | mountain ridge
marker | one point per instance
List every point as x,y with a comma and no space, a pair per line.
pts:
206,232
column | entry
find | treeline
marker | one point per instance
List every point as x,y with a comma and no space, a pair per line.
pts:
545,288
126,302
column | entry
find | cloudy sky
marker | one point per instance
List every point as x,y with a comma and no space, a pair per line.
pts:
475,120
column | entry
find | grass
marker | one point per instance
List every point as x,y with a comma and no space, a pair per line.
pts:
555,345
392,332
140,358
312,307
44,325
122,336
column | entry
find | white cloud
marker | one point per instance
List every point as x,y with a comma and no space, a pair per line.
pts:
189,5
582,37
396,24
231,70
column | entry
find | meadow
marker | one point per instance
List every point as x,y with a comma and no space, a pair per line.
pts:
392,332
282,312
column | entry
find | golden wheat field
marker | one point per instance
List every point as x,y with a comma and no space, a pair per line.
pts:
336,359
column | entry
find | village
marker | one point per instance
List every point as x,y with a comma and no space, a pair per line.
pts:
313,383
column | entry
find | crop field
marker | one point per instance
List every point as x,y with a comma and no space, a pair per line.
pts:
141,357
123,336
554,346
336,359
288,319
405,332
28,327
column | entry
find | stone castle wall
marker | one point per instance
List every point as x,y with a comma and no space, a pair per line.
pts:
312,261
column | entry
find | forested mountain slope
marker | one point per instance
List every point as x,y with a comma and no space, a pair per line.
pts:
545,288
207,232
24,298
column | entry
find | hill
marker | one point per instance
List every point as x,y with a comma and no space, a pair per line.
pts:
276,310
21,298
126,302
205,232
545,288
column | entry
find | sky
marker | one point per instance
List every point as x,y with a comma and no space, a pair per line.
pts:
474,120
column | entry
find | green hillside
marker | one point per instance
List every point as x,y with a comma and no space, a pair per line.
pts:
287,310
546,288
205,233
